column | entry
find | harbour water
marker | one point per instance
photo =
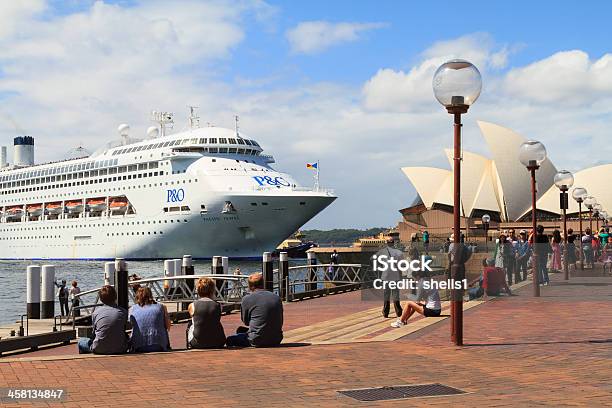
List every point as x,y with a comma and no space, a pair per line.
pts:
88,274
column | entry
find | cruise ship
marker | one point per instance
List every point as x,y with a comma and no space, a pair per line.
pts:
206,191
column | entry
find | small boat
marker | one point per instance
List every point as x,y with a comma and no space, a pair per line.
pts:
74,206
53,208
14,212
34,210
118,205
96,204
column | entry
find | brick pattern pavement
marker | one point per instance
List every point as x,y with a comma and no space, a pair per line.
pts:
520,351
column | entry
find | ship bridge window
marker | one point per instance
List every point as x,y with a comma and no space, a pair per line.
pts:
142,166
223,150
175,142
240,151
213,150
254,143
153,165
212,140
202,140
166,144
132,167
122,169
241,141
223,140
232,140
232,150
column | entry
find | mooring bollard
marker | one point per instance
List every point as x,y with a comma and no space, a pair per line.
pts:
283,275
169,272
268,271
187,269
312,271
121,283
33,292
109,273
217,269
47,300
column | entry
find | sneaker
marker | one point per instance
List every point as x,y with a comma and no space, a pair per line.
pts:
397,324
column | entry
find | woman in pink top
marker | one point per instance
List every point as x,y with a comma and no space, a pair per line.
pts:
556,251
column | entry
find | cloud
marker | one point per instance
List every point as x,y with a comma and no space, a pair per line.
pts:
403,91
566,78
311,37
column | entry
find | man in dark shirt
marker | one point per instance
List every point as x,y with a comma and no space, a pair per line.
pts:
109,321
262,312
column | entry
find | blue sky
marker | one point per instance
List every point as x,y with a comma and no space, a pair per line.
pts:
345,82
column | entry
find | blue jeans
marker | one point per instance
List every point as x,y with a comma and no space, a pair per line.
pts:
238,340
85,345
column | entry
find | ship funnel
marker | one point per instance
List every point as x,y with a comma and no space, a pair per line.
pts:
3,160
23,154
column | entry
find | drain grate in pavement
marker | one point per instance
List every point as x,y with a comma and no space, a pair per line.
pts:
401,392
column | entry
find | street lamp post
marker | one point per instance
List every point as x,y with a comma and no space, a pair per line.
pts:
579,194
597,208
533,153
564,180
456,85
486,219
590,202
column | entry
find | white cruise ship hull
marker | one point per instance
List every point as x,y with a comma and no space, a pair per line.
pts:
196,204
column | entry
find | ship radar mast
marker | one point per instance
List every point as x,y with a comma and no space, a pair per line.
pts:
194,118
236,127
165,120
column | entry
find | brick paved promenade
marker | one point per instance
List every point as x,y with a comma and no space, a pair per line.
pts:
520,351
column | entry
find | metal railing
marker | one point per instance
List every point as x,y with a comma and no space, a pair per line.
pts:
171,289
314,280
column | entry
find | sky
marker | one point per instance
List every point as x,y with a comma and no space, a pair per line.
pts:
347,83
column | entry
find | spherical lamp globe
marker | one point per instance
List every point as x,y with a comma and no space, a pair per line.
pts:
579,194
457,83
564,180
590,201
486,218
532,153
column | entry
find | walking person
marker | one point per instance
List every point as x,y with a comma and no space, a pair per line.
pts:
426,241
587,247
555,264
523,253
571,248
75,290
542,250
334,259
62,295
389,275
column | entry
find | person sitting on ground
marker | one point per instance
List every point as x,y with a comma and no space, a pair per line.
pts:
262,312
206,330
493,280
427,301
109,321
150,323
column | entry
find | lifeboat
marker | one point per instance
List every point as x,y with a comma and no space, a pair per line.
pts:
53,208
75,206
14,212
119,205
34,210
96,204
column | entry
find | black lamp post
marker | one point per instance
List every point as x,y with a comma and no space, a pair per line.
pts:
456,85
532,154
579,194
486,219
564,180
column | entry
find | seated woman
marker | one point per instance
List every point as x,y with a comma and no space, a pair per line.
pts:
427,302
206,330
150,324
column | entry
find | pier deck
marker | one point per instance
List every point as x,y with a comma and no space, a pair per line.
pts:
520,351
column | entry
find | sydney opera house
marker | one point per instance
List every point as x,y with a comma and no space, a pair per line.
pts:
498,186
